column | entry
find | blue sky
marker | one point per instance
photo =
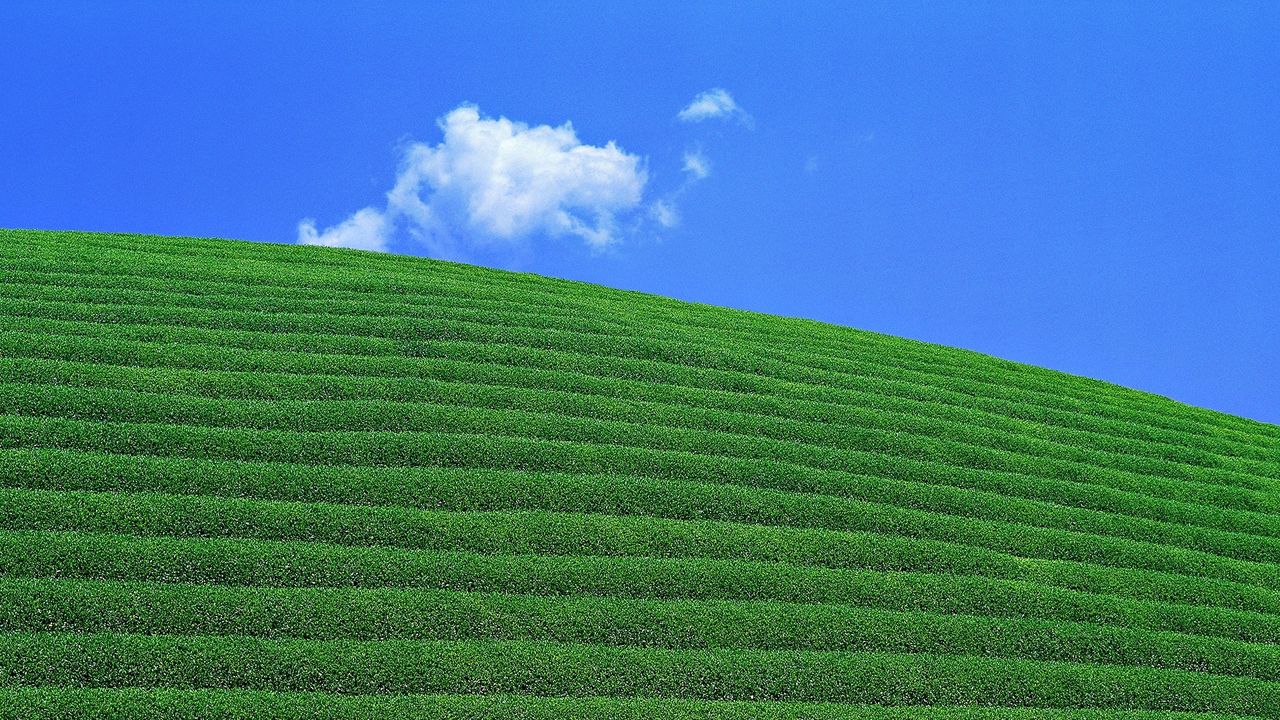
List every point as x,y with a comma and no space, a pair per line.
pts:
1092,187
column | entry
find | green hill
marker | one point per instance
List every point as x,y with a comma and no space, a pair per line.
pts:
294,482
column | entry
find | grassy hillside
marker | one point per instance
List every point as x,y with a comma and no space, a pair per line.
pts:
295,482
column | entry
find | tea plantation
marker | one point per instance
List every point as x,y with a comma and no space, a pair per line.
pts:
243,479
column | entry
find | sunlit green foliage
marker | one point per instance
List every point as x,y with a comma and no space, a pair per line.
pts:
254,480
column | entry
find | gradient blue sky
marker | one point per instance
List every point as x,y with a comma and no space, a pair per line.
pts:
1092,187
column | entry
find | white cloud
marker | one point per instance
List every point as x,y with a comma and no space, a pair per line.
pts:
696,165
367,229
494,181
714,103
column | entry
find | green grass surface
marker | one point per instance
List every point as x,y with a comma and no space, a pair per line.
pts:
294,482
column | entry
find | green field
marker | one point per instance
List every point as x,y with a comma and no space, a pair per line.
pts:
242,479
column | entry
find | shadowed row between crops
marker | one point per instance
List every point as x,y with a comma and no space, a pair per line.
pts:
74,703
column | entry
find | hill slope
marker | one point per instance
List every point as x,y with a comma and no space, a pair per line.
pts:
300,482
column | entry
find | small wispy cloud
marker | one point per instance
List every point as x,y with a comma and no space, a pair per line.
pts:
696,165
715,103
664,213
696,168
493,182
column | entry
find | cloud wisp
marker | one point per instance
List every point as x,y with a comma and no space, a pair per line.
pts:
696,165
714,104
495,182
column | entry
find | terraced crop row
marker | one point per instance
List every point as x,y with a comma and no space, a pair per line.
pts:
387,283
727,365
401,276
401,370
392,366
295,482
380,614
261,263
685,378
